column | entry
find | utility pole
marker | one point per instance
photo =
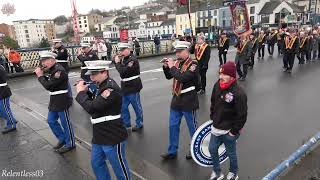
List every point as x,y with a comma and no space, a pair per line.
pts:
209,19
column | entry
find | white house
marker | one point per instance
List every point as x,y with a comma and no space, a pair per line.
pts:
168,27
254,7
112,32
138,30
105,23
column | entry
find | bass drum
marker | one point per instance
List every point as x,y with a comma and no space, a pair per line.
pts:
199,146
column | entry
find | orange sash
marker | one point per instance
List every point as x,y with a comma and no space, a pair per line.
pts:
303,41
222,41
200,50
289,43
260,39
177,86
241,47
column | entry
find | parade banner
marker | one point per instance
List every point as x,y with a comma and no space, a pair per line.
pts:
240,18
199,146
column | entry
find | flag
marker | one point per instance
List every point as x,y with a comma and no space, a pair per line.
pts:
240,18
182,2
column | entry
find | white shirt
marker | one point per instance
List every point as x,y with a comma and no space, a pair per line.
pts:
219,132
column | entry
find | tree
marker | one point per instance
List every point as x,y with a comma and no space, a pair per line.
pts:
60,20
44,43
9,42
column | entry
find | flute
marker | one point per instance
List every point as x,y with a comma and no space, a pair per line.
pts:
85,83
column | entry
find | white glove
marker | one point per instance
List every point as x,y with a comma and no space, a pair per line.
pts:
226,50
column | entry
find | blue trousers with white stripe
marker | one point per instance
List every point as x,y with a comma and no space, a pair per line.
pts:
134,100
6,113
174,127
65,133
117,158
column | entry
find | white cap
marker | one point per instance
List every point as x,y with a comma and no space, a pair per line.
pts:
56,40
182,45
47,55
124,46
85,44
96,66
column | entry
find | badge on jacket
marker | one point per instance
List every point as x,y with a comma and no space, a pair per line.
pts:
228,97
193,67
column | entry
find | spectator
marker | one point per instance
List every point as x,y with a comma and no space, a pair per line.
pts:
102,50
4,60
14,60
109,49
137,46
156,41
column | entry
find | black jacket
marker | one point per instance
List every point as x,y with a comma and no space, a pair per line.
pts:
272,39
57,80
254,46
294,49
62,54
224,47
187,101
204,60
228,108
306,46
5,91
109,132
90,56
125,71
262,42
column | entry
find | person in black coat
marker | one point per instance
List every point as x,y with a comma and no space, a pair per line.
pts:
304,47
86,54
56,82
223,46
129,69
272,39
202,53
261,44
228,112
291,48
254,47
109,134
5,110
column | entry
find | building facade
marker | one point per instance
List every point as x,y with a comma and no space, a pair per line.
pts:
7,30
30,32
87,22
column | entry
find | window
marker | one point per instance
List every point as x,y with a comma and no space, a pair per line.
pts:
199,25
215,12
265,19
85,17
27,36
223,14
223,23
204,24
252,10
80,26
180,27
198,14
209,13
26,31
85,25
25,27
79,22
164,31
33,22
251,20
28,40
85,21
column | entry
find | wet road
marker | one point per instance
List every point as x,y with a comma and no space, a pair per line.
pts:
283,112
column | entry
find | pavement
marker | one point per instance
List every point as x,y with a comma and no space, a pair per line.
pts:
283,113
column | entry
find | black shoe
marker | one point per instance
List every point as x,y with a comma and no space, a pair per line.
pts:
289,71
58,146
168,156
136,128
188,156
7,130
64,149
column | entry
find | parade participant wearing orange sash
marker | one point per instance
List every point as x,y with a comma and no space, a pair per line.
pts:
303,48
272,38
261,44
203,52
184,72
291,48
223,46
254,46
243,56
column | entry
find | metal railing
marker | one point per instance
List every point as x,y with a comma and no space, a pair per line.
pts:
292,158
30,57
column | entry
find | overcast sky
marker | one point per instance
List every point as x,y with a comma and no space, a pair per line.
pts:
43,9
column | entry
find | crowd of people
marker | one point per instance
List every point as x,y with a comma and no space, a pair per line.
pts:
108,104
10,59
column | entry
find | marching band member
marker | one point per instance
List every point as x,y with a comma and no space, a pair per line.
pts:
254,46
228,112
290,50
184,72
261,44
243,56
131,85
202,53
57,85
109,134
223,46
272,38
5,110
303,48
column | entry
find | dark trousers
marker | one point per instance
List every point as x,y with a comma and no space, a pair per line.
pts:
319,51
270,49
261,51
288,60
251,64
109,56
15,66
302,55
242,73
279,48
222,58
103,57
203,77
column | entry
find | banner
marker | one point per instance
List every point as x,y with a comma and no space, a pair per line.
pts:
240,18
124,35
199,146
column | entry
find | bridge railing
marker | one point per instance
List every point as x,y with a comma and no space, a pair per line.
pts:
30,57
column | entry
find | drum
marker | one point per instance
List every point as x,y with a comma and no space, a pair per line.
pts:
199,146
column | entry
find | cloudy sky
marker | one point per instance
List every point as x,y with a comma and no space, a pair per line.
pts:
40,9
